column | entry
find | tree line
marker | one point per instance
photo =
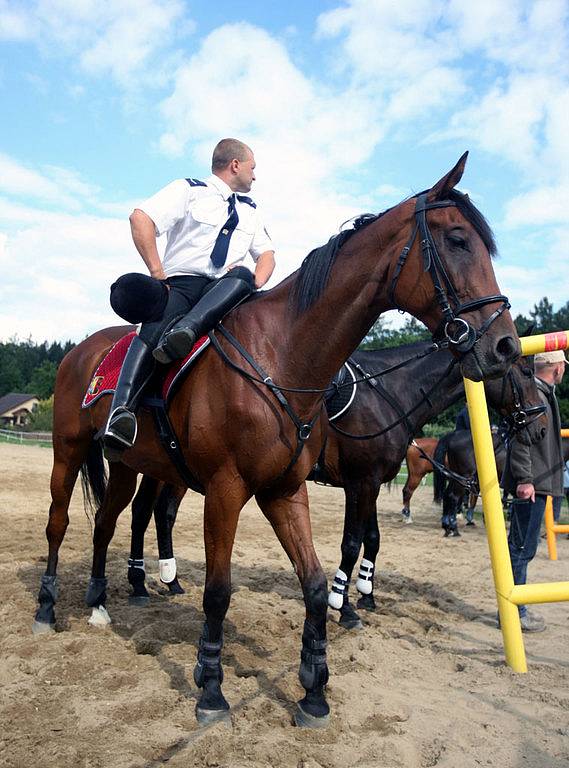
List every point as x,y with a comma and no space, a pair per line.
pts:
28,367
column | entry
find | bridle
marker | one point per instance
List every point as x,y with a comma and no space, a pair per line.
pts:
521,416
460,335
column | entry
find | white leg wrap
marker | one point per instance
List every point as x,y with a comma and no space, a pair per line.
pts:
167,570
336,596
99,617
364,584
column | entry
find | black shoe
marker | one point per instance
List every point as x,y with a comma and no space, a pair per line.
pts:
120,432
175,345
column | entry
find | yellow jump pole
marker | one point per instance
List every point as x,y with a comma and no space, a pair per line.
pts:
549,529
495,528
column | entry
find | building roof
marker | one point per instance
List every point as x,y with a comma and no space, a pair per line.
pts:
13,400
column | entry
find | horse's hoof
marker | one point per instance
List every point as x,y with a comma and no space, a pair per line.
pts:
140,601
41,628
175,588
303,719
99,617
408,520
211,716
351,623
367,602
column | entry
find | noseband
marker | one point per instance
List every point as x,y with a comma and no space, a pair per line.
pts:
522,416
460,335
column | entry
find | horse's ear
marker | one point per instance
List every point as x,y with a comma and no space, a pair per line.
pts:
529,330
448,182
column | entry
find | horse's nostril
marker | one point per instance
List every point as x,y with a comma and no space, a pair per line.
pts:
506,347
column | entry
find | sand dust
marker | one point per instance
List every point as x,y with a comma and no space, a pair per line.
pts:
423,684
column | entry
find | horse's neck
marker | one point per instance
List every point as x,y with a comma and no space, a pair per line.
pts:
314,344
411,386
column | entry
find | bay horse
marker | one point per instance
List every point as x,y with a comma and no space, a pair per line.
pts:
245,428
418,467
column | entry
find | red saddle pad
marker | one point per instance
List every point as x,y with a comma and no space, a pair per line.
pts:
105,378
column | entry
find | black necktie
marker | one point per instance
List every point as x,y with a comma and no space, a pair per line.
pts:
219,253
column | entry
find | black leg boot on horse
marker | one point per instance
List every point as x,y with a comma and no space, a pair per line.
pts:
121,428
223,296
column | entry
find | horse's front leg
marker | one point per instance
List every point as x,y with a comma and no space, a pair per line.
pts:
365,584
290,520
120,490
361,495
223,503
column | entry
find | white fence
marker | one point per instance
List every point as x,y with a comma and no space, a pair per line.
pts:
10,436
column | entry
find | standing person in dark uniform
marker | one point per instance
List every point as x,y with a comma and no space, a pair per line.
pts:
462,419
532,473
210,229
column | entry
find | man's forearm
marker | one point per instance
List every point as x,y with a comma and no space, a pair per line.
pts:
144,237
264,268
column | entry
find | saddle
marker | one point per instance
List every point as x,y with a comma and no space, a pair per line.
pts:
343,392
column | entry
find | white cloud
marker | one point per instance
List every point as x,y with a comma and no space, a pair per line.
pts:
61,268
122,38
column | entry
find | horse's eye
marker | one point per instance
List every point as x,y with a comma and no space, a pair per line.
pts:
458,242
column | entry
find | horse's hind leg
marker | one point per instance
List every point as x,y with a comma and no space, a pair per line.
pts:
68,458
165,512
142,505
120,490
291,522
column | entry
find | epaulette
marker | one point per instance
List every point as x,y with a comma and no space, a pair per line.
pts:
245,199
196,183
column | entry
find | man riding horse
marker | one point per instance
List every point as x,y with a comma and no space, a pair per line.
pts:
210,231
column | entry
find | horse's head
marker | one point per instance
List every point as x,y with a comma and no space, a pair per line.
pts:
516,397
444,276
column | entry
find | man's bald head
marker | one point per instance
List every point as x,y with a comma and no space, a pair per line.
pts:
227,150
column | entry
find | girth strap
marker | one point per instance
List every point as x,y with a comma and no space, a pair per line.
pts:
169,440
303,429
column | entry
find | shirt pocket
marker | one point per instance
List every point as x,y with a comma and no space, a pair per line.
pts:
242,238
207,215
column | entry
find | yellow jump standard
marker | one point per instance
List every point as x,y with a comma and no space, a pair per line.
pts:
508,595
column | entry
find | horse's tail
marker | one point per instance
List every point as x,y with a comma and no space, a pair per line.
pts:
439,480
94,477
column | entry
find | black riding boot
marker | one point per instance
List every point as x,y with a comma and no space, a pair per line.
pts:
120,432
179,340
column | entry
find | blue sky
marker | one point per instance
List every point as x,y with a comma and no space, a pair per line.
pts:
350,105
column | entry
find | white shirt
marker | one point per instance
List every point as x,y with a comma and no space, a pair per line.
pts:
192,215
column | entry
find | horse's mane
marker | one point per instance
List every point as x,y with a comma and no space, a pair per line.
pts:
314,271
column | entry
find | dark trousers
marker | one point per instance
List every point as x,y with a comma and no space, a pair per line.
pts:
523,538
185,292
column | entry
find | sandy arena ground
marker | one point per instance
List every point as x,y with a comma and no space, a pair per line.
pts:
423,684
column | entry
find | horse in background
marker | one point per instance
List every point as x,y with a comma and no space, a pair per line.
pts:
456,451
249,419
418,467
